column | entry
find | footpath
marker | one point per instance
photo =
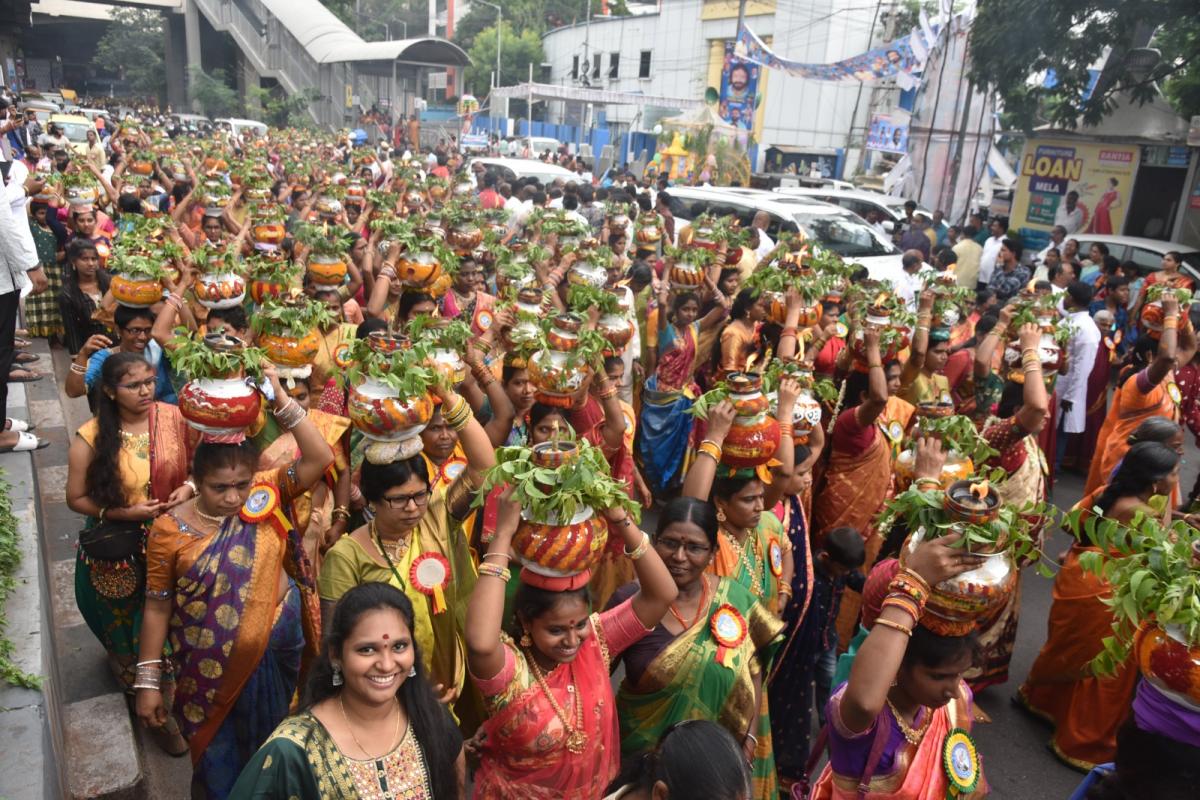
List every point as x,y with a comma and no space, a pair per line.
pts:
76,738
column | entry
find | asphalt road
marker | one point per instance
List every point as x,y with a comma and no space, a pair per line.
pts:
1016,760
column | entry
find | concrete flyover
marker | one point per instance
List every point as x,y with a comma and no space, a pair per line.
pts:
300,44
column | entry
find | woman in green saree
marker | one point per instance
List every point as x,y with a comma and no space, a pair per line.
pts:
369,724
706,659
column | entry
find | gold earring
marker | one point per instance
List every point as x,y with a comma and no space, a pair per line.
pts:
525,640
720,515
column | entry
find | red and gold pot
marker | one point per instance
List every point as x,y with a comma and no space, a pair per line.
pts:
290,351
686,276
1169,664
418,270
957,605
754,436
220,290
557,379
381,415
220,406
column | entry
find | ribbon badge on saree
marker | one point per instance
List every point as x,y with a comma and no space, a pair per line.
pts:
1173,391
451,470
430,575
484,319
729,631
262,505
342,356
961,762
775,556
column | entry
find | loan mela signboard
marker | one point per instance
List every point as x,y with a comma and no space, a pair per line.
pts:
1083,186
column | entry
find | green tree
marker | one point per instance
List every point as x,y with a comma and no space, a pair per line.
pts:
374,13
133,46
516,54
214,94
1014,43
536,15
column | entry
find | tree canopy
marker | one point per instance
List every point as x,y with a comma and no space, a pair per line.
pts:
1016,43
517,52
133,46
538,16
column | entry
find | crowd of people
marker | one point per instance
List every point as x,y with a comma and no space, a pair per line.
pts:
263,589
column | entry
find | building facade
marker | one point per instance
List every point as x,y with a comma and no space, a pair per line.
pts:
679,50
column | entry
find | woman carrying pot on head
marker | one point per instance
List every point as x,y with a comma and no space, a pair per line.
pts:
1146,389
230,587
900,726
921,378
665,423
740,337
125,466
368,723
1087,710
552,728
414,540
752,548
686,668
858,475
1011,427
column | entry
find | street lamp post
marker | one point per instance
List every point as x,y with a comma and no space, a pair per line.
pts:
499,24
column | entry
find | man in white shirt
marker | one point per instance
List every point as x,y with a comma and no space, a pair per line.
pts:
1069,215
991,250
1072,386
912,280
1057,236
761,220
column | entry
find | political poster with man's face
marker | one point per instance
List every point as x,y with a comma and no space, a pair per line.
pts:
739,87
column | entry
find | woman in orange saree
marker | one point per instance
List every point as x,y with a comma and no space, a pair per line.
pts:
552,728
1148,392
228,583
1086,710
900,727
858,476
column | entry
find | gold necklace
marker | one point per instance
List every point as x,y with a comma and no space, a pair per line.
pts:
914,736
393,550
354,736
743,560
576,739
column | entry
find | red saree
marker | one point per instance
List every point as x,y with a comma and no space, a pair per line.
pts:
524,752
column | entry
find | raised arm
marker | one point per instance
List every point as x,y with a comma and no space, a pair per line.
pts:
920,342
985,352
485,611
877,394
1034,401
699,480
315,455
789,390
1164,359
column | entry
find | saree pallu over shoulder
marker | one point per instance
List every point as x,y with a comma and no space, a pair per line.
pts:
685,681
856,486
919,772
525,754
1130,407
172,443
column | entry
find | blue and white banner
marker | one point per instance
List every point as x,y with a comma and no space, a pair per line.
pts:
905,55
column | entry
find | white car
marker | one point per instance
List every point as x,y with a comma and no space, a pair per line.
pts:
830,226
242,127
1146,253
860,201
510,169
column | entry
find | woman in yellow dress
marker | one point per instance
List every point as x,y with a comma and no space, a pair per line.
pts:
414,541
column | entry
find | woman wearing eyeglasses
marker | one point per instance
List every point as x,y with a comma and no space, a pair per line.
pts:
127,464
414,541
682,670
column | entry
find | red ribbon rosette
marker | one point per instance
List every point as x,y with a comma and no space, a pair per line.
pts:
430,575
775,556
451,470
262,505
729,629
483,319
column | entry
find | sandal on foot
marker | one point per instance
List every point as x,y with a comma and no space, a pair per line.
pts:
25,443
19,342
23,376
11,424
26,358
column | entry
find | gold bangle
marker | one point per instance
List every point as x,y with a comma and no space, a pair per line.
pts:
710,449
887,623
1170,324
495,571
919,482
640,550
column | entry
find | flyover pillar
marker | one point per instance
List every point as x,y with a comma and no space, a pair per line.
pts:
191,26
